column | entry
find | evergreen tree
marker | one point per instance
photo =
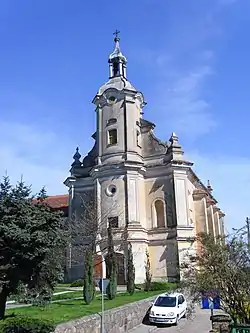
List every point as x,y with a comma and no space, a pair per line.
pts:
130,271
111,262
31,243
88,281
148,273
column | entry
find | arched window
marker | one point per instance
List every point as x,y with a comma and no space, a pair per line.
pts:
159,214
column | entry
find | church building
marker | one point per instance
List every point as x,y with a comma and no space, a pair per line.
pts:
140,182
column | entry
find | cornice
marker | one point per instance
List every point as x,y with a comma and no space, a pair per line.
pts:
221,214
186,239
107,170
185,163
199,194
210,201
195,180
216,209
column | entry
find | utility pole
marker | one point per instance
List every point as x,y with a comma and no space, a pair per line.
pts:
248,232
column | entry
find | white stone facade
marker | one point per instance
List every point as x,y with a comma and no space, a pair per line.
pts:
141,182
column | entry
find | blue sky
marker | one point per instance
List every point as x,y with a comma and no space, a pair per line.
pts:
189,58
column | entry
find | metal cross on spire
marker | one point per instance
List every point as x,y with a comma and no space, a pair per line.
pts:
116,34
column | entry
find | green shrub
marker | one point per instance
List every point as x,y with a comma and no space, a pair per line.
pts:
77,283
130,271
89,284
36,296
111,264
147,284
162,286
26,325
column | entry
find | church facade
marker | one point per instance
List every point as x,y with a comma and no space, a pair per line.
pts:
140,182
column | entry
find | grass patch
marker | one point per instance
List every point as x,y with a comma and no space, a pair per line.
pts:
69,310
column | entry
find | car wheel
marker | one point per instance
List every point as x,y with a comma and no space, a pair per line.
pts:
185,314
177,321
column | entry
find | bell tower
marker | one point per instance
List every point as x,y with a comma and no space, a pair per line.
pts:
118,112
113,171
117,61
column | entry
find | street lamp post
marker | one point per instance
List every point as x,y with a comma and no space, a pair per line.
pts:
98,250
248,232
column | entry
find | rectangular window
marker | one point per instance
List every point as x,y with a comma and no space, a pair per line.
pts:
113,222
112,137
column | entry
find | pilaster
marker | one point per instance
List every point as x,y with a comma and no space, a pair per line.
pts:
221,222
133,197
181,197
216,221
200,206
210,213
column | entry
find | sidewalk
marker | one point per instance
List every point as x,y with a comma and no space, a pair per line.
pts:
119,288
143,329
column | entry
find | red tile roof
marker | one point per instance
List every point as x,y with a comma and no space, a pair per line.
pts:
58,201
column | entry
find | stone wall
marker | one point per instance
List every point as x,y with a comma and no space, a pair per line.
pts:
118,320
221,323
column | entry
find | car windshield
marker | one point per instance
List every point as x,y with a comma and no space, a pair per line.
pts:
166,301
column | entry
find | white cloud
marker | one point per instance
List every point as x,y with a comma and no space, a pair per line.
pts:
29,152
34,154
230,179
183,64
188,112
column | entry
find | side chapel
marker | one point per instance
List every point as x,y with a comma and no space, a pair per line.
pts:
141,181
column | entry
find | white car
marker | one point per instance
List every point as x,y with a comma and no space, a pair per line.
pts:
168,309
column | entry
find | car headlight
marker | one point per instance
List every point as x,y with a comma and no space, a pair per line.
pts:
152,313
171,314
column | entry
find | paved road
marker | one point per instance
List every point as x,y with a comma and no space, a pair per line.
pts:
200,323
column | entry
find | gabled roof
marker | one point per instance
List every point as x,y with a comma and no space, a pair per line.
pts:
58,201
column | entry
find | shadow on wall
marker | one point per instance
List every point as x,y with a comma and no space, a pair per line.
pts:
167,188
172,262
170,257
145,320
165,216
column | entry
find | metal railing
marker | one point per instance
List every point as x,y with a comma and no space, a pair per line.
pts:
240,329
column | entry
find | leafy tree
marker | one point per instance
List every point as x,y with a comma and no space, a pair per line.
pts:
130,271
221,264
88,281
31,242
148,279
111,262
85,226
